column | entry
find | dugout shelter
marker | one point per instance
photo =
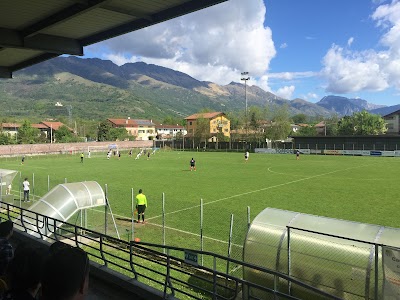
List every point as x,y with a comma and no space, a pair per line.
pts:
62,202
347,259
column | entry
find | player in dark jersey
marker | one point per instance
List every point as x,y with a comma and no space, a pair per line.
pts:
192,164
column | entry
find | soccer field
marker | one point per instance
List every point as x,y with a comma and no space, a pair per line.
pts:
362,189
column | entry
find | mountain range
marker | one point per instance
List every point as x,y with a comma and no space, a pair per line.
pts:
96,89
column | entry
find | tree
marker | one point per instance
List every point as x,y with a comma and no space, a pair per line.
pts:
362,123
27,134
202,130
306,131
63,135
117,134
280,127
5,139
331,125
104,128
300,119
173,120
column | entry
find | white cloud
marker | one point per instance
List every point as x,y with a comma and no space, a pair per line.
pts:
285,92
283,45
350,41
370,70
210,44
292,75
310,96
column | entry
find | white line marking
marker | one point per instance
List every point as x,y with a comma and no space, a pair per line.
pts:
256,191
286,174
171,228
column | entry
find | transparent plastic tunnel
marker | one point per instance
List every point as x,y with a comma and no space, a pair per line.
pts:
61,203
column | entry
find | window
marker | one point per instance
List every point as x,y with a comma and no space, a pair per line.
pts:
141,131
226,130
190,123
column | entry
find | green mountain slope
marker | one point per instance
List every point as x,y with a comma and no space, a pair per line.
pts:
96,89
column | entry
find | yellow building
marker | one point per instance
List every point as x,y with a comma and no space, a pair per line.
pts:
217,121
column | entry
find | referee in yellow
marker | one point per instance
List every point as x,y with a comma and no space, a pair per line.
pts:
141,204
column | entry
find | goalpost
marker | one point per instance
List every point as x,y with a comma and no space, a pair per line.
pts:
100,150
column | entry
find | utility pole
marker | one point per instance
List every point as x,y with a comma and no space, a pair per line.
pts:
245,77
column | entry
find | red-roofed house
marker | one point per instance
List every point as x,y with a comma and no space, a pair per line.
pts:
143,130
218,122
46,127
10,128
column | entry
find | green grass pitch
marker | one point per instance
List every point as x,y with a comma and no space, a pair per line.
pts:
363,189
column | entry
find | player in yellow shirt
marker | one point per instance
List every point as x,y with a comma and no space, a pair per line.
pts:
141,204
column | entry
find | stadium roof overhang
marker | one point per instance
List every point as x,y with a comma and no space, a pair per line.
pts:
35,31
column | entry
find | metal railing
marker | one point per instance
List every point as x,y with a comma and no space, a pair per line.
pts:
172,270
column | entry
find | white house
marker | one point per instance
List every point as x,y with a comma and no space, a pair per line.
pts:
165,131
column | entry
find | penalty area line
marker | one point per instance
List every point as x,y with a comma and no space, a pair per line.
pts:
175,229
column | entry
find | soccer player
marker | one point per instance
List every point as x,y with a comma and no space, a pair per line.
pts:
88,155
26,185
246,156
192,164
141,205
23,159
297,154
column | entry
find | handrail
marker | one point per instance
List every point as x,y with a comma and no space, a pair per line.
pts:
135,258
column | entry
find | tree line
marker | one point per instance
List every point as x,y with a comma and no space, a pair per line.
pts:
257,125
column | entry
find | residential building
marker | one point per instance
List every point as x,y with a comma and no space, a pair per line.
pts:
142,129
165,131
217,123
48,128
10,128
393,122
320,128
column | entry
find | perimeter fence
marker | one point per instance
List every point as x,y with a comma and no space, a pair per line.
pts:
165,227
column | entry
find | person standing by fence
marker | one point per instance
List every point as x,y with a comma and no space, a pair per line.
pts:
26,185
141,205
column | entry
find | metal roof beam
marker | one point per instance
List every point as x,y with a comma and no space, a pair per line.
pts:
133,12
156,18
62,16
33,61
43,42
5,73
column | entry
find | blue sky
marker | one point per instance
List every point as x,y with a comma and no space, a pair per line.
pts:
293,48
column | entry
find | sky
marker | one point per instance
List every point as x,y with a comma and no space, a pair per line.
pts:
304,49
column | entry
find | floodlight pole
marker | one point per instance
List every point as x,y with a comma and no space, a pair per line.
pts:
245,77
